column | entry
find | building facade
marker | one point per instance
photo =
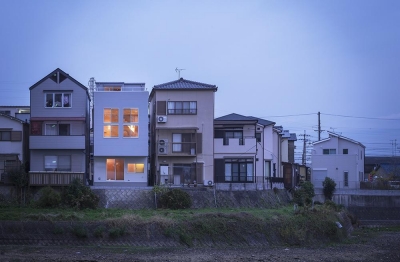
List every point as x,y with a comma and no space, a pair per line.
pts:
181,136
120,134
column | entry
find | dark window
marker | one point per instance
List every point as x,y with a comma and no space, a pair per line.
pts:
7,112
239,170
5,135
346,178
233,134
258,137
326,151
54,77
182,108
345,151
329,151
161,108
58,100
63,129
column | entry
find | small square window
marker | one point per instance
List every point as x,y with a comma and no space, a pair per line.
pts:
345,151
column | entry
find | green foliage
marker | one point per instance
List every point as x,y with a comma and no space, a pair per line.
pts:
58,230
80,231
99,231
329,187
303,195
48,198
332,205
19,177
80,196
175,199
116,232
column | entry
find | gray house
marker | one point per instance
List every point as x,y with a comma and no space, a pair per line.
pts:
59,130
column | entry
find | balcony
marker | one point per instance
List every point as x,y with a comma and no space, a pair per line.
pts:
178,149
54,178
235,145
57,142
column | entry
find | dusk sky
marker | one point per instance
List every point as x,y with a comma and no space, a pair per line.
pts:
283,61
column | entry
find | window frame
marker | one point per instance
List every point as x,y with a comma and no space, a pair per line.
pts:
57,166
242,167
3,136
111,122
345,178
52,104
135,168
182,107
345,151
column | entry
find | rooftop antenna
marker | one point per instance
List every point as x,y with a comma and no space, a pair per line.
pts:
178,70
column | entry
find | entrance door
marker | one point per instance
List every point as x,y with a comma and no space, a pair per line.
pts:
115,169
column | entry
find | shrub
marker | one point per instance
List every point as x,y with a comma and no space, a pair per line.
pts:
175,199
80,196
303,196
80,231
98,232
49,198
329,187
116,232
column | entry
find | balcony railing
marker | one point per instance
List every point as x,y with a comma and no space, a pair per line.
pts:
183,148
57,142
54,178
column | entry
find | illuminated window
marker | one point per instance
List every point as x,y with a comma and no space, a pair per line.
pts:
110,131
131,115
110,115
136,168
131,131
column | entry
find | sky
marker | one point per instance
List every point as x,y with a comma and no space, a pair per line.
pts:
283,61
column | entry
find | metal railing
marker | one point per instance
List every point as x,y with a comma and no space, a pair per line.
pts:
54,178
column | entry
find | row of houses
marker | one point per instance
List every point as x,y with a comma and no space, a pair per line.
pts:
119,134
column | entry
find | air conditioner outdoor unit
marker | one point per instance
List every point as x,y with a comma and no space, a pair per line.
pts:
162,146
161,119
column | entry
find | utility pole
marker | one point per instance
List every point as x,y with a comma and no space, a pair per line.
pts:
319,127
305,140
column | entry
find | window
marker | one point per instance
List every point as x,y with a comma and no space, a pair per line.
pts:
329,151
185,172
136,168
345,151
131,131
267,169
5,135
182,108
7,112
239,170
57,130
112,88
183,143
57,163
58,100
131,115
115,169
346,178
110,115
233,134
258,137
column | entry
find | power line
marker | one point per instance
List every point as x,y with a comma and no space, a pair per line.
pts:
364,117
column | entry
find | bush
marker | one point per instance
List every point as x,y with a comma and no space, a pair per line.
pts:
175,199
48,198
303,196
80,196
329,187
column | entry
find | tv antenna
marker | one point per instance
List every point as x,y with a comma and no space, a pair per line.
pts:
178,70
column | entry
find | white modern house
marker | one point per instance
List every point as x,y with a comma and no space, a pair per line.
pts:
247,150
120,134
181,120
339,158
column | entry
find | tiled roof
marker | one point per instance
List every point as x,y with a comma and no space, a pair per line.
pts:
185,84
293,137
237,117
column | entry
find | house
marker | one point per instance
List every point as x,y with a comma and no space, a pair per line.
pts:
59,130
20,112
181,133
339,158
247,150
14,134
382,167
120,134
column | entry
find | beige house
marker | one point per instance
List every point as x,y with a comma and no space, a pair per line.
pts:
181,133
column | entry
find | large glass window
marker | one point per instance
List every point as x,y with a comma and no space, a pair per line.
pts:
57,163
183,143
131,115
239,170
57,130
329,151
58,100
131,131
110,131
182,107
110,115
115,169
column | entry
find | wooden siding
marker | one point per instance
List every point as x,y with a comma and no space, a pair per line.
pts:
54,178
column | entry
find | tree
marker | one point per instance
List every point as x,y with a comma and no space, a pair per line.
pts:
303,196
329,187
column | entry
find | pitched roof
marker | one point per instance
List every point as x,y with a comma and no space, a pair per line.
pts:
183,84
66,75
331,134
293,137
237,117
12,118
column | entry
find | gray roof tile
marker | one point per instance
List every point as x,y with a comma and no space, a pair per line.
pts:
185,84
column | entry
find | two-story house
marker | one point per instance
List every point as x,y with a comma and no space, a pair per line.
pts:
247,150
120,132
339,158
59,130
14,149
181,122
20,112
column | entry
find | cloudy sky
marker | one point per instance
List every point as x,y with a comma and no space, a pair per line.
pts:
284,61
